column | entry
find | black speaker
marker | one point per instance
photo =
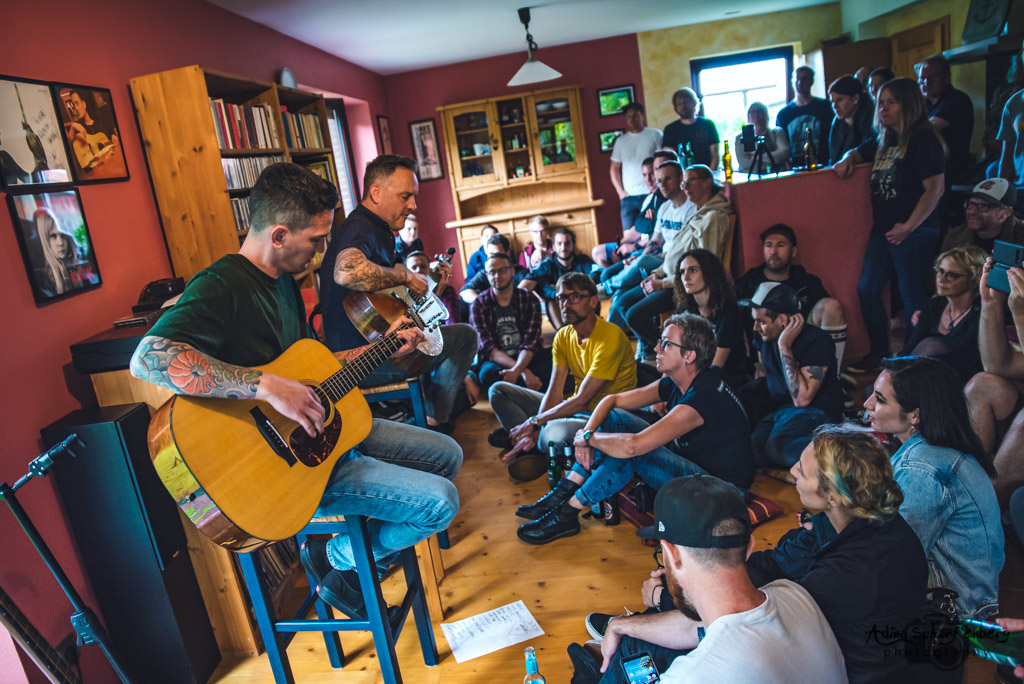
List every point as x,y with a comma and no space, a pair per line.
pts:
133,547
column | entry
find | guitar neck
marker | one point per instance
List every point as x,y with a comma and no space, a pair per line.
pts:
356,370
55,666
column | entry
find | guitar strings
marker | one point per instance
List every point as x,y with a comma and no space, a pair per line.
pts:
345,380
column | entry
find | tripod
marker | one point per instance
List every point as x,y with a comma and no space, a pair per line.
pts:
84,620
756,162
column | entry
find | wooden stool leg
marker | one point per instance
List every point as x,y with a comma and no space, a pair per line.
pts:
332,643
376,608
420,611
428,574
263,607
434,544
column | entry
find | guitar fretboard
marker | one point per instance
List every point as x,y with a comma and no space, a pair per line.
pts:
353,373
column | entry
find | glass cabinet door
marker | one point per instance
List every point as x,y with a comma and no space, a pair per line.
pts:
554,115
515,140
473,136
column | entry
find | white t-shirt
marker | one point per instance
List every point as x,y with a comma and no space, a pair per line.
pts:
630,150
785,640
671,219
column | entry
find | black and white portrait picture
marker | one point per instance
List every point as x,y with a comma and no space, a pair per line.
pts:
31,141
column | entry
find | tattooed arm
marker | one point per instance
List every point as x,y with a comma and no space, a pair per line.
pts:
183,369
353,270
803,381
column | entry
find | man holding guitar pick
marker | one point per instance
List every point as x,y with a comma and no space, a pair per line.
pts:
245,310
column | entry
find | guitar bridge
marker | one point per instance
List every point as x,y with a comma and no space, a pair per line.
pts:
273,438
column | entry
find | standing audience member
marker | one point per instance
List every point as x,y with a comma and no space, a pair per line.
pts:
802,113
947,328
544,278
990,217
496,244
408,239
539,248
944,474
950,112
691,130
775,139
477,258
628,153
878,78
854,114
906,185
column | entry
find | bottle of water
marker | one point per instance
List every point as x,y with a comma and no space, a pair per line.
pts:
532,675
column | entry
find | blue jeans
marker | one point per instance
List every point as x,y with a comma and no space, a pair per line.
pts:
644,316
442,376
489,372
608,475
911,262
630,276
629,209
400,477
630,646
779,438
621,303
513,405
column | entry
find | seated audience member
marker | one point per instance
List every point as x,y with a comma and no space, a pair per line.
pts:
950,112
565,259
477,259
861,562
608,253
496,244
648,215
408,239
802,113
629,151
944,474
878,78
539,248
775,139
691,130
703,431
418,262
855,112
990,217
596,353
947,328
724,629
703,287
508,322
993,396
779,245
800,390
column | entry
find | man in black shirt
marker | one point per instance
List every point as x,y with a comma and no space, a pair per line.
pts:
801,387
950,112
496,244
696,131
803,112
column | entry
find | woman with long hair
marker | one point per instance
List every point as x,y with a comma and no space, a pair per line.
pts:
854,114
703,287
58,252
907,180
775,140
947,328
945,476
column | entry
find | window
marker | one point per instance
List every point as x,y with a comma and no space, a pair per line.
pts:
343,159
728,85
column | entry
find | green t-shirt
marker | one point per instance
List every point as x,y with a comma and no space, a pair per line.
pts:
236,313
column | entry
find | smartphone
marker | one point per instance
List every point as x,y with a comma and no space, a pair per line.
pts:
640,669
747,138
1005,255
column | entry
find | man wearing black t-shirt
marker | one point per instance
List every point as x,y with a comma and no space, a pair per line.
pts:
950,112
801,388
803,112
704,431
698,132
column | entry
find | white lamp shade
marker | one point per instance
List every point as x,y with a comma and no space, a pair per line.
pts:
533,72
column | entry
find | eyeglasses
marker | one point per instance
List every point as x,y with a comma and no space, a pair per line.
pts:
980,207
666,343
657,556
574,297
948,276
497,271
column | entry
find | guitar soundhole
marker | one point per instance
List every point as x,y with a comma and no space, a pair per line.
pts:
312,451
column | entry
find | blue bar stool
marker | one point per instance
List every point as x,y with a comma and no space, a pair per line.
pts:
277,634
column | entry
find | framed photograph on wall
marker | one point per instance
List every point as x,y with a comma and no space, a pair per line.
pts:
384,130
90,131
322,168
31,145
612,100
425,149
607,139
55,243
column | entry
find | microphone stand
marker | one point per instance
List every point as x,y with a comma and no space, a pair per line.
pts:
84,620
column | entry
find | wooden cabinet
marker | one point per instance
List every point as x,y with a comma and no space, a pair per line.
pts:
517,156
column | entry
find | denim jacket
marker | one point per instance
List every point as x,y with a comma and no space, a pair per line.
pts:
950,503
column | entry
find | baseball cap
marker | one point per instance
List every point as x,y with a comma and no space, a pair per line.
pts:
775,296
687,509
780,229
998,192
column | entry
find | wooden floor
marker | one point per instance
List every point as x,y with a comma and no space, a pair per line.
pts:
601,569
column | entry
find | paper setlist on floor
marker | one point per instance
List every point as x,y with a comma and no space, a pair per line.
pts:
491,631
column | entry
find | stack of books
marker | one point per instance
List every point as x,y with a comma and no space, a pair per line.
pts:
244,126
302,131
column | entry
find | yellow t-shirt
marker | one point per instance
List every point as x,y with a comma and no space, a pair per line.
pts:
605,355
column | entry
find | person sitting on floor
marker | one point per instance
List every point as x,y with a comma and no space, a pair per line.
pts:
596,353
476,260
565,259
632,239
408,239
496,244
539,248
703,431
800,390
990,217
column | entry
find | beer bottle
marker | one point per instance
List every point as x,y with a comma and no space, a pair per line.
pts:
688,156
532,675
992,642
610,508
568,457
727,162
554,465
810,153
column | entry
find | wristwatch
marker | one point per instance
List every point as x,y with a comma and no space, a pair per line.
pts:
586,437
533,421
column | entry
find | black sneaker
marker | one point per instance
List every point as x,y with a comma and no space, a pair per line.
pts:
547,503
865,365
586,670
564,521
337,588
313,554
498,438
597,624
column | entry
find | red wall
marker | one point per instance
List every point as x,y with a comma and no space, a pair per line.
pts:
593,64
105,44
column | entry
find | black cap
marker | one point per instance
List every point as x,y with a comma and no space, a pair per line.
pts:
687,509
780,229
775,296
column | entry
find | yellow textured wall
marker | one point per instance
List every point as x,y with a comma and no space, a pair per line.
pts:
665,54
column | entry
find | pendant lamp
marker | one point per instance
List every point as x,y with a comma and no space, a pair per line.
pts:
533,71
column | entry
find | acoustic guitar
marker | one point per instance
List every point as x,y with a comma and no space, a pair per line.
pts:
92,151
244,474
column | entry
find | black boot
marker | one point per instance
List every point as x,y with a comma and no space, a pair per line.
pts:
562,522
562,492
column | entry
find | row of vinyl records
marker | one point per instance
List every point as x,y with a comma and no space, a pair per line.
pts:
277,560
240,209
255,127
242,172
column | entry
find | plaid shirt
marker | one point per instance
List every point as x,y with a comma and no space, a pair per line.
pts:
483,316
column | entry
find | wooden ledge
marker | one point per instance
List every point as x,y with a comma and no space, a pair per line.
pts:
525,213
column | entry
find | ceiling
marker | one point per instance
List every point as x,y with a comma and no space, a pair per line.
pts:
393,36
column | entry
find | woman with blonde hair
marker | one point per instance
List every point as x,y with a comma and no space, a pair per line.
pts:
907,181
947,328
58,252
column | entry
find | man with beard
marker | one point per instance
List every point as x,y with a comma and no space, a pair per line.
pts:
733,631
990,217
544,278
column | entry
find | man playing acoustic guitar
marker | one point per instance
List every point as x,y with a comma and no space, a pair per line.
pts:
245,310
